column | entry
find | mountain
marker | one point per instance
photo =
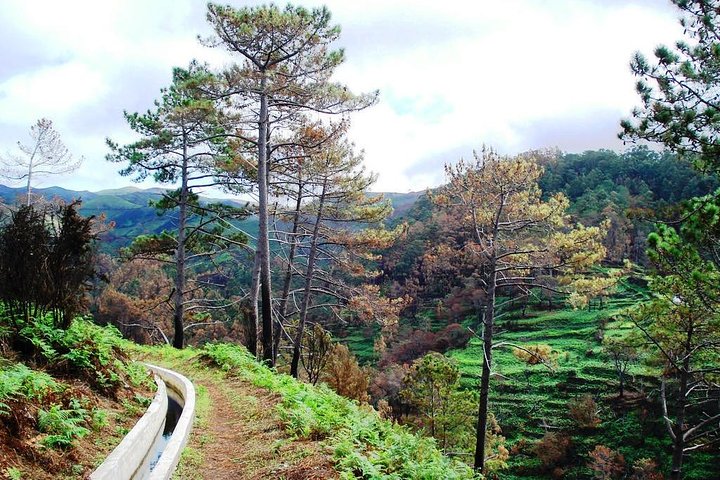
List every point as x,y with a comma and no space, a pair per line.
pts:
129,210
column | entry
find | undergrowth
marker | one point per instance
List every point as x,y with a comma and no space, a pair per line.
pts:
52,391
364,445
83,349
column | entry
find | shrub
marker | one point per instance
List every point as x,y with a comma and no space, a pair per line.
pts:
343,374
46,262
553,450
584,412
317,344
386,385
62,425
18,382
432,386
419,342
606,464
645,469
535,354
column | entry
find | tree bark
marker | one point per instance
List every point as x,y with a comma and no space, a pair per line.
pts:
297,347
488,322
263,237
291,257
254,344
679,430
179,313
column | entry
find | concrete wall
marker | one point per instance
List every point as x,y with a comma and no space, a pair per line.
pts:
171,455
125,462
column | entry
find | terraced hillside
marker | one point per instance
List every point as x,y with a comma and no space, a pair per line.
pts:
530,401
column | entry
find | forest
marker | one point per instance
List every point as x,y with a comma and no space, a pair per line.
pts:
539,315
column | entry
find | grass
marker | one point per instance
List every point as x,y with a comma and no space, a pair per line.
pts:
528,399
363,444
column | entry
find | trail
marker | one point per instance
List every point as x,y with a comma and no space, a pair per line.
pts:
238,435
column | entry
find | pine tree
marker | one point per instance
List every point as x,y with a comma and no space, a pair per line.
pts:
515,238
284,69
183,142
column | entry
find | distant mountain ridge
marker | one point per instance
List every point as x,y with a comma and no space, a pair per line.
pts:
128,208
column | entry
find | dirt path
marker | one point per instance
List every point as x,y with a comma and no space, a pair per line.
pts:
238,435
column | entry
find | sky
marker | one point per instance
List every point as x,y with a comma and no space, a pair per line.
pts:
453,75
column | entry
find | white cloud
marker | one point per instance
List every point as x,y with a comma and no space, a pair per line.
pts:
54,91
452,75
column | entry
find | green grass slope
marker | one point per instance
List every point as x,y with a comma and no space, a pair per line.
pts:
363,445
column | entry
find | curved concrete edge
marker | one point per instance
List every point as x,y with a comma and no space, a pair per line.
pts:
171,455
126,458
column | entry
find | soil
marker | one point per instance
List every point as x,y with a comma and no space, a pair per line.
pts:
21,449
242,438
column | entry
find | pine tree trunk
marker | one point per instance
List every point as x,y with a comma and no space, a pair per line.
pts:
297,347
179,311
679,430
254,344
480,433
263,236
287,283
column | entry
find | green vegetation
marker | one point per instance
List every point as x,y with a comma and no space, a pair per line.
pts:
364,445
624,385
62,425
18,382
68,396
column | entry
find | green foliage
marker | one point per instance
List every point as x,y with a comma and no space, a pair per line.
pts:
85,349
433,387
364,445
62,425
14,473
679,91
18,382
98,419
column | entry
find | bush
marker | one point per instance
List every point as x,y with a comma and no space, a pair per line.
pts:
584,412
645,469
46,263
419,342
535,354
553,450
606,464
62,425
432,386
18,382
84,349
343,374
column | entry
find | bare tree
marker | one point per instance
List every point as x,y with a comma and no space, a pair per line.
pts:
46,154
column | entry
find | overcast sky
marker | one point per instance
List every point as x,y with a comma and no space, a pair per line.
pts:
452,75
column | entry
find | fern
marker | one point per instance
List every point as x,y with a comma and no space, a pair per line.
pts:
62,426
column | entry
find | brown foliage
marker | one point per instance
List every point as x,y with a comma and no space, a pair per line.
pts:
584,412
318,346
418,343
535,354
386,386
136,300
344,375
645,469
553,450
607,464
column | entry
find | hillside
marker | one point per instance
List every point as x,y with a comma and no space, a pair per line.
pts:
65,407
129,211
255,423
